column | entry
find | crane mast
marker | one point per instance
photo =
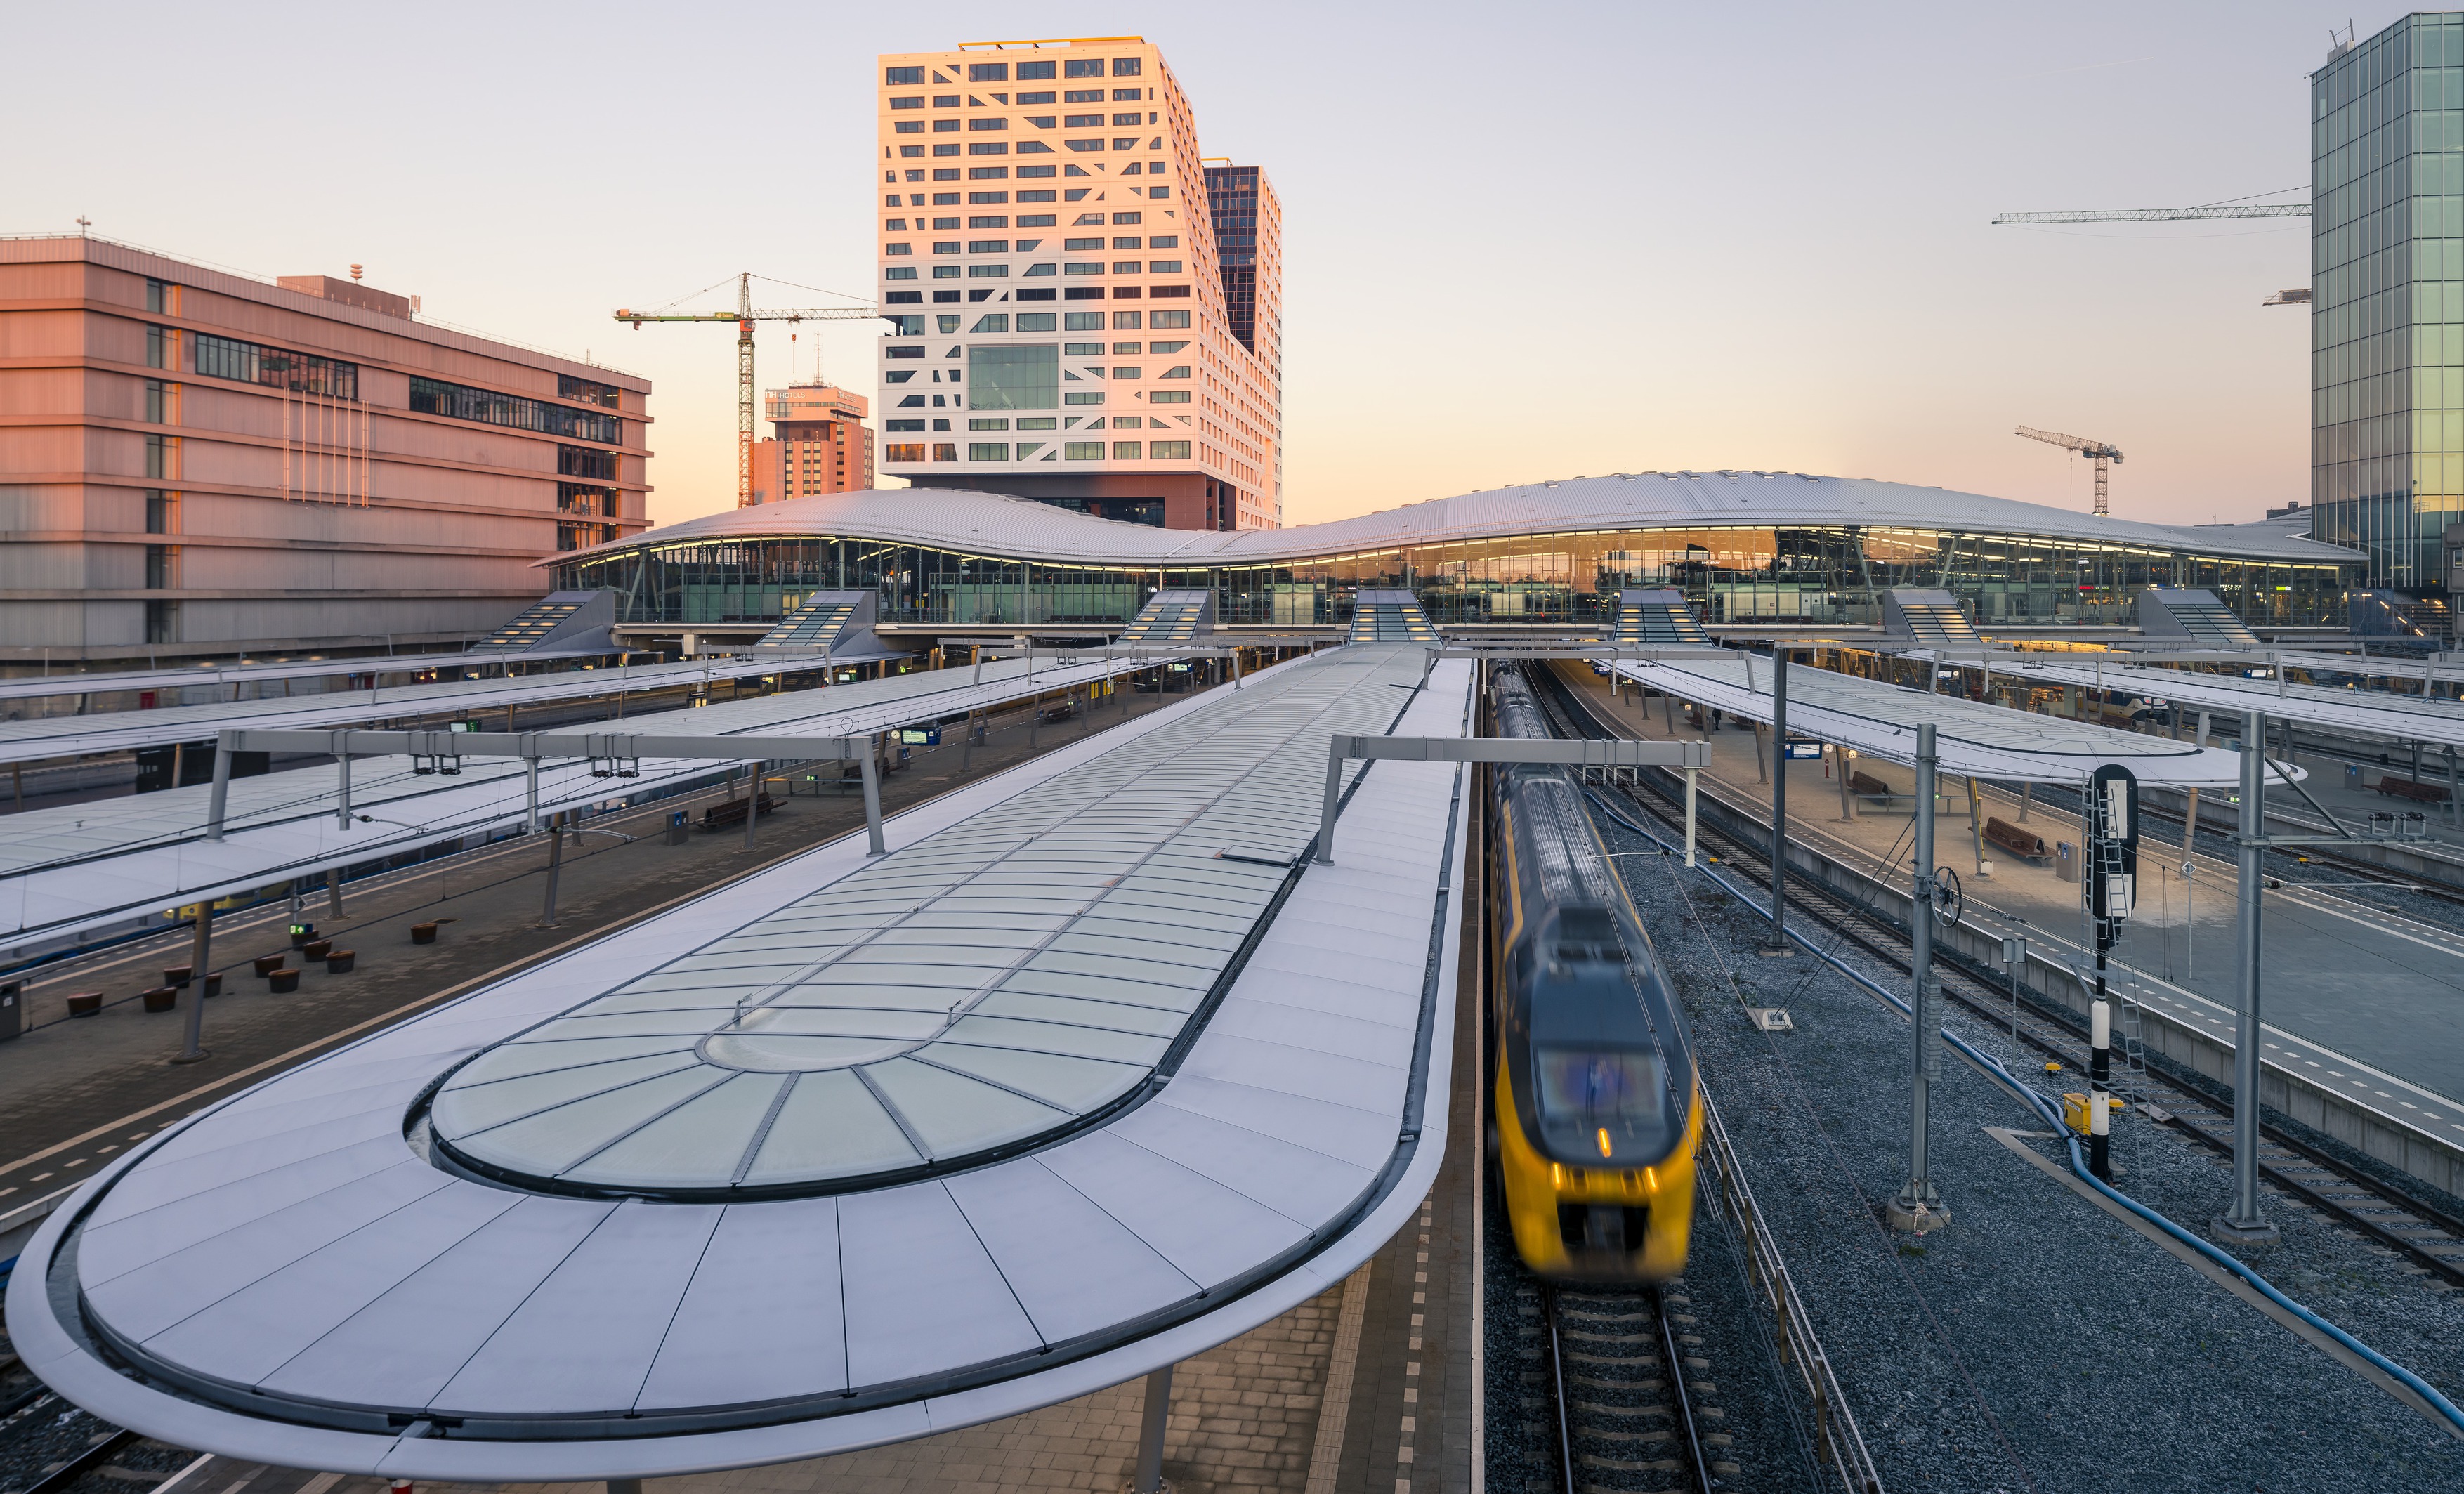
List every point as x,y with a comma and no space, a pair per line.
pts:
2099,452
744,316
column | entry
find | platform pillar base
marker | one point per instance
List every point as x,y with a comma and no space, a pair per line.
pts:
1923,1219
2225,1232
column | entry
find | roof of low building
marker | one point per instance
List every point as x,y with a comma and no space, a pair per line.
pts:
995,524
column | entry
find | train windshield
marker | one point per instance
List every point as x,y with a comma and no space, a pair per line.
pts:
1623,1093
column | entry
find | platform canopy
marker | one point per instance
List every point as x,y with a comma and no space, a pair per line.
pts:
38,737
1053,1094
34,686
2365,713
75,868
1970,739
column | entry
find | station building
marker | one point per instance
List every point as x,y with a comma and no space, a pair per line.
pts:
1746,548
196,463
1086,312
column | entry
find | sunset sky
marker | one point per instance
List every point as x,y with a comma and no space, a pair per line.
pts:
1523,242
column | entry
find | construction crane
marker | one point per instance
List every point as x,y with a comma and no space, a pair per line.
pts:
2160,214
744,316
2104,451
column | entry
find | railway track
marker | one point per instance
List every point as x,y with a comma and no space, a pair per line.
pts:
1627,1422
2427,1236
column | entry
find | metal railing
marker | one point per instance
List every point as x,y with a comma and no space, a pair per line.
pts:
1836,1437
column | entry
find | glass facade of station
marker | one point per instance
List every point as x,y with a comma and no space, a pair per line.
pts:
1731,575
2387,314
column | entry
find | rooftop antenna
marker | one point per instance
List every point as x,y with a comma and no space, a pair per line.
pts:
84,223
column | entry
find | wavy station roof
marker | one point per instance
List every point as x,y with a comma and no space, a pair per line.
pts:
991,524
1053,1094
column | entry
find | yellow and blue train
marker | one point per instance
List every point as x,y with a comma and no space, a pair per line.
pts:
1597,1106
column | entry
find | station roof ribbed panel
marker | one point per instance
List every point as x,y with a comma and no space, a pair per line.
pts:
993,525
2370,713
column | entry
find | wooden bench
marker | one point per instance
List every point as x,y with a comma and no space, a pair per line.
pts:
731,811
2017,840
1874,791
2405,788
1058,711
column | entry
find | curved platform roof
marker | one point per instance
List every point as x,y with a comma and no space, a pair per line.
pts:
301,1277
991,524
2367,713
1971,738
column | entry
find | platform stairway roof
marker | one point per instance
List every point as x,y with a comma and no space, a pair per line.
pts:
561,620
2169,616
1390,617
1657,616
1172,617
835,622
1925,618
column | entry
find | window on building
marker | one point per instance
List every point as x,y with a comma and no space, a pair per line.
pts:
946,246
1121,218
154,401
1027,449
1037,423
1125,451
908,101
275,368
154,339
988,271
1126,119
949,325
1082,450
1124,267
899,273
898,248
899,375
988,72
1121,349
945,272
1035,220
1082,243
1169,397
1082,67
487,407
909,152
945,173
582,461
1041,270
1029,72
1084,322
984,124
908,326
946,101
910,402
1162,321
1083,397
1084,121
1168,450
158,295
1013,376
1125,321
1181,372
1071,194
1163,267
991,322
906,127
944,452
1043,121
1035,321
900,77
1129,373
1134,169
1125,67
950,149
1084,144
162,622
988,450
1177,370
1128,422
948,126
989,246
987,423
1163,241
1131,143
1085,349
1119,243
988,148
895,224
902,451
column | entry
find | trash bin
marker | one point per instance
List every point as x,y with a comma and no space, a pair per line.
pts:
2066,861
678,831
2353,777
12,1010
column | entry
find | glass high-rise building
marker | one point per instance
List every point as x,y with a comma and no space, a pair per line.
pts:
2387,317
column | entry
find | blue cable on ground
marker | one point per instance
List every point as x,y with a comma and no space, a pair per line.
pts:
2045,1111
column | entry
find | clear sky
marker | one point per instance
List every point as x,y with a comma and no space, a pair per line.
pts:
1523,241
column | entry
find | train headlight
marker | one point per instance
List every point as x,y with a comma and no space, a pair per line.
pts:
1651,1179
1604,1140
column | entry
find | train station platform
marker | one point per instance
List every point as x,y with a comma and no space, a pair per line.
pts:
2358,993
1091,1071
69,871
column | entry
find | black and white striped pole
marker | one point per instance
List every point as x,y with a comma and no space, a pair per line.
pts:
2100,1070
2113,865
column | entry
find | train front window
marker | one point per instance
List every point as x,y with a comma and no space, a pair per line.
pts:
1618,1096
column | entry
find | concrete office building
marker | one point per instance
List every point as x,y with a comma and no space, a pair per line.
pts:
821,443
2387,314
195,463
1084,313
